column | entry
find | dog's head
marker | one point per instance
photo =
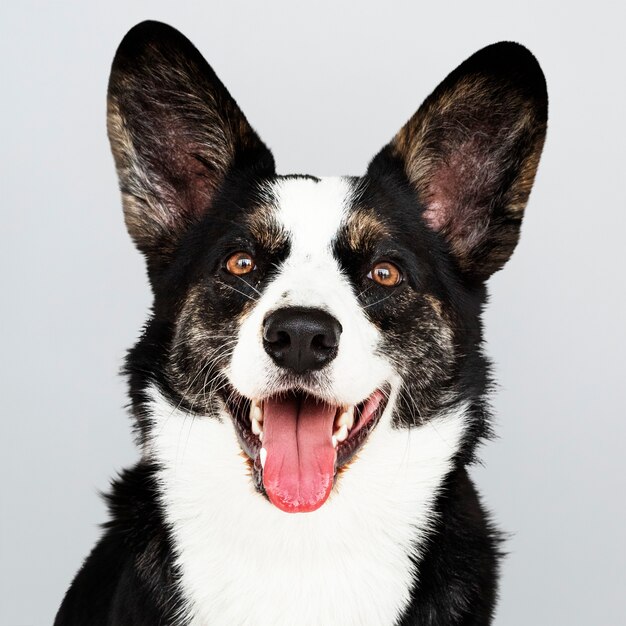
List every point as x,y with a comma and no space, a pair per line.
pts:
309,309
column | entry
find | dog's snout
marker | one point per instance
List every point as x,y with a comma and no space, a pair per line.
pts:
301,339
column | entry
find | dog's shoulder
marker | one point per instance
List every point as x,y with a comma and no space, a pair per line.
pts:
466,543
128,578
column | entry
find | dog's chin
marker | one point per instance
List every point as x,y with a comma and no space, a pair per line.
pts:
297,442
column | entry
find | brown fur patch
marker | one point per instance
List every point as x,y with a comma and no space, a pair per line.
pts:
265,229
436,305
249,464
364,229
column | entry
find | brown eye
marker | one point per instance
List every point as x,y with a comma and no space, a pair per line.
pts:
240,263
385,274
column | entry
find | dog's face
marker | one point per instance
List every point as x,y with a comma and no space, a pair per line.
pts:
305,309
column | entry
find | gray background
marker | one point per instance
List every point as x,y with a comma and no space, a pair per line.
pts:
326,85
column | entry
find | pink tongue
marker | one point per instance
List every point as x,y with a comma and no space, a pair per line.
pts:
300,463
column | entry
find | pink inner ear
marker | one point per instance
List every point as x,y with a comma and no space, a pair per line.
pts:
441,195
435,214
457,190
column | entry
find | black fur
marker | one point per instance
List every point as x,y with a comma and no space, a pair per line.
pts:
193,189
458,574
129,578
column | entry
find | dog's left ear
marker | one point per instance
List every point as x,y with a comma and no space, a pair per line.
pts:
471,152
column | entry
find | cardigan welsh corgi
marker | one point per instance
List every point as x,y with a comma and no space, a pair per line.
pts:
310,387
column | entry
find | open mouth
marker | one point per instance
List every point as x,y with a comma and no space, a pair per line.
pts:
297,442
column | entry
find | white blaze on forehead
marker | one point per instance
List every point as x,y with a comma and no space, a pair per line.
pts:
312,210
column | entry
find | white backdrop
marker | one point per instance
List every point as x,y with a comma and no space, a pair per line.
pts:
326,84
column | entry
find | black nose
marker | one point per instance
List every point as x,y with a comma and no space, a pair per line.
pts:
301,339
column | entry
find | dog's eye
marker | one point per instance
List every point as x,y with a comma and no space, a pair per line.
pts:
385,274
240,263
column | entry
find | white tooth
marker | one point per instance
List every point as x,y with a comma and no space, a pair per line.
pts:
342,433
256,427
334,441
256,411
347,418
263,456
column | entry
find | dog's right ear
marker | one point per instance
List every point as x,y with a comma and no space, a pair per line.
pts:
175,133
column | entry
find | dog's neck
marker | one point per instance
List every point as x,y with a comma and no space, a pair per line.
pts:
353,561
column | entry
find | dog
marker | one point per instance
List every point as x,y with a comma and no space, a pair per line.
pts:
310,387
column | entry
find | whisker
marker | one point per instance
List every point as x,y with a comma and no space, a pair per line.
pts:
364,291
248,284
245,295
367,306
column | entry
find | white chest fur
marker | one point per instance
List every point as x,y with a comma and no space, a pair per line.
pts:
244,562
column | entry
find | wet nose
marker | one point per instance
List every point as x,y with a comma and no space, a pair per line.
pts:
301,339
